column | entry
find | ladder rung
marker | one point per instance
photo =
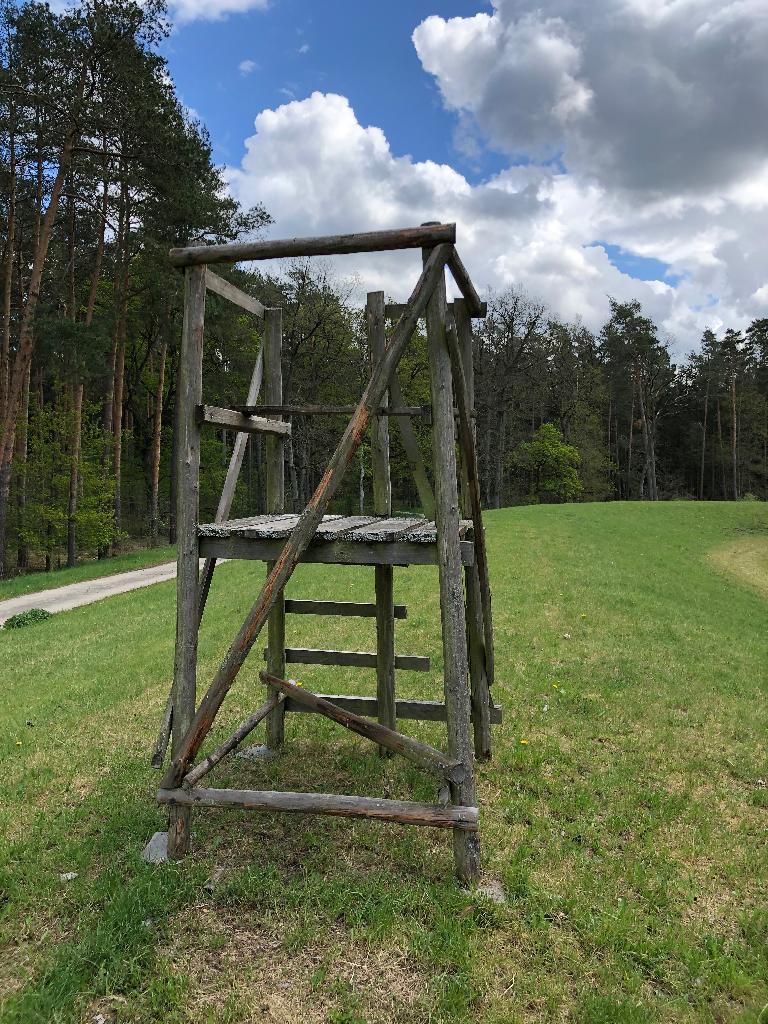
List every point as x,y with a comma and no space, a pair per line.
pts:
355,608
355,659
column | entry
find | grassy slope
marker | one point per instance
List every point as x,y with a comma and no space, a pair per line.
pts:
629,830
91,570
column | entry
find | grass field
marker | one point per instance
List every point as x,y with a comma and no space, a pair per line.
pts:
34,582
624,811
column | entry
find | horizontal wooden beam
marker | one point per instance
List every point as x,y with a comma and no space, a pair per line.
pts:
417,710
324,245
332,410
217,284
234,420
406,812
359,609
422,754
351,659
475,306
334,553
394,310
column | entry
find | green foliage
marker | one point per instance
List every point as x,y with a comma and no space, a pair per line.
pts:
550,466
27,618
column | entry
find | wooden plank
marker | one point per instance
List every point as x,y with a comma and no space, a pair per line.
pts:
230,481
311,518
332,410
234,420
217,284
413,453
233,742
188,395
466,849
365,610
394,310
384,531
341,526
342,552
422,754
405,812
323,245
475,306
418,710
354,659
282,527
478,678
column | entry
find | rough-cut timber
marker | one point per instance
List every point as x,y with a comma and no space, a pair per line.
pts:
234,420
423,411
403,811
420,710
434,760
232,742
217,284
189,394
310,519
353,659
358,529
393,310
475,305
359,609
466,848
328,245
344,552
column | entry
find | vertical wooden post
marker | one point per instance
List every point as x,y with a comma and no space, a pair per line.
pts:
189,394
481,696
382,506
466,847
275,487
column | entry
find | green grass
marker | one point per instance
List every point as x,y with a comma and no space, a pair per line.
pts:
34,582
629,831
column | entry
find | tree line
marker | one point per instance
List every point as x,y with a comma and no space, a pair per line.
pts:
103,170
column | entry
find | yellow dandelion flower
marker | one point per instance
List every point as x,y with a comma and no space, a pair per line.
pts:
525,742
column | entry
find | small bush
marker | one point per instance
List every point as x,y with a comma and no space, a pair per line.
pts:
27,618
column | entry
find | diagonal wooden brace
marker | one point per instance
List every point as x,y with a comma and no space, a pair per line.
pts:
310,519
422,754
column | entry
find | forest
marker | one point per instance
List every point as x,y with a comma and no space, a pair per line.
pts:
104,170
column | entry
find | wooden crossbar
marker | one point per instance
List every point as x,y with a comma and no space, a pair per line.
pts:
234,420
352,659
405,812
475,305
423,754
415,710
359,609
309,521
323,245
424,411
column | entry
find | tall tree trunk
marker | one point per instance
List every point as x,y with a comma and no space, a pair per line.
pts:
631,438
498,468
722,449
74,474
703,444
99,258
734,435
22,435
157,433
650,468
5,341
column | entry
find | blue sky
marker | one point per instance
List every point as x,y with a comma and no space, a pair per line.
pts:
585,150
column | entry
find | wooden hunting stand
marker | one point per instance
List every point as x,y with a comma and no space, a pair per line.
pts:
442,537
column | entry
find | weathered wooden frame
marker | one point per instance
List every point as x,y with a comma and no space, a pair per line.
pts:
466,624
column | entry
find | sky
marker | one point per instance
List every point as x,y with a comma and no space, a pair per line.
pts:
584,149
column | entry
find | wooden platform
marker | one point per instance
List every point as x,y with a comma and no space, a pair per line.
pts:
343,540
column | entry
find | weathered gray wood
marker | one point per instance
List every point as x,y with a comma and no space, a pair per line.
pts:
456,675
275,488
232,742
393,310
355,659
310,520
365,610
406,812
327,245
341,527
469,453
161,743
360,529
423,411
230,481
475,306
217,284
344,552
434,760
481,696
419,710
382,506
188,395
413,452
386,530
233,420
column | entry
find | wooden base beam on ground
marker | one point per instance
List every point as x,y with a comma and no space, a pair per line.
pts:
406,812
